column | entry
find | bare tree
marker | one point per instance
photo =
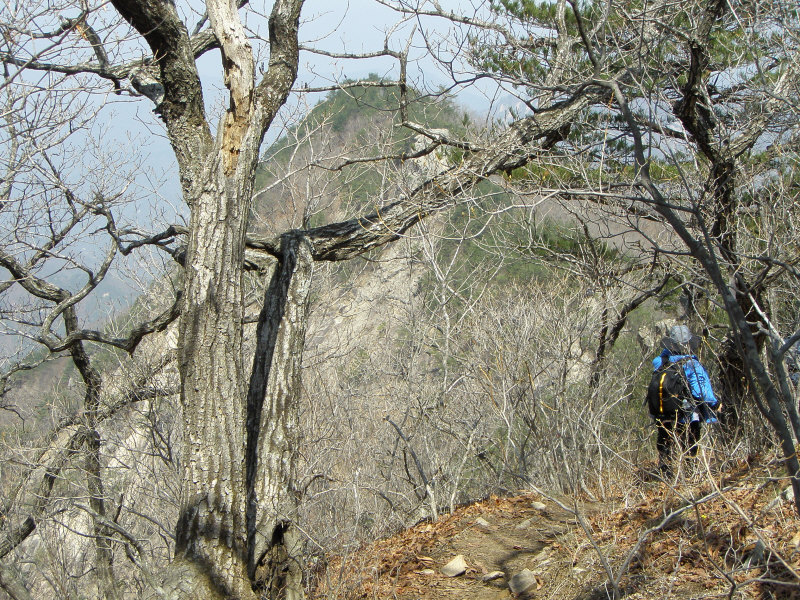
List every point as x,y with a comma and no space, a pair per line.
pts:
704,120
236,534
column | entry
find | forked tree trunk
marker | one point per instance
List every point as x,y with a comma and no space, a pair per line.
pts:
243,543
212,538
274,546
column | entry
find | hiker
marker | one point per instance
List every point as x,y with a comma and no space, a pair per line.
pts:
680,395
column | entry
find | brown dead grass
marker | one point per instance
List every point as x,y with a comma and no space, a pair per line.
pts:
723,540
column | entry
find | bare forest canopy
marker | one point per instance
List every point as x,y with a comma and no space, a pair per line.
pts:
397,306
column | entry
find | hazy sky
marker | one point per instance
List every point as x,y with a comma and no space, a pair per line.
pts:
352,26
129,127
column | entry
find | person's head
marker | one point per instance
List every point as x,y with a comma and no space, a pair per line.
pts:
681,341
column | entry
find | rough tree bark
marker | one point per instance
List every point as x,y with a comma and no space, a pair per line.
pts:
274,549
217,180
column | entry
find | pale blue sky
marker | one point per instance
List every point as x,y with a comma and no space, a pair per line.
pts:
352,26
129,126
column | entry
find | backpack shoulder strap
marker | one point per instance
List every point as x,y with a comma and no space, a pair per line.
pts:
661,392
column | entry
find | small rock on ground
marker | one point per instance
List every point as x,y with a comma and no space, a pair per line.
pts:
456,567
525,524
522,581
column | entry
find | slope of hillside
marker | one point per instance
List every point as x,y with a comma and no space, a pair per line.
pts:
728,534
327,166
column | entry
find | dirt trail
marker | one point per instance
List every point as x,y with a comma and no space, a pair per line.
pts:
508,536
505,535
703,551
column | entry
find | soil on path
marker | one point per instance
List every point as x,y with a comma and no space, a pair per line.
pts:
731,536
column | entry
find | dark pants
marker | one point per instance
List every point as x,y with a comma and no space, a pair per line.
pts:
687,435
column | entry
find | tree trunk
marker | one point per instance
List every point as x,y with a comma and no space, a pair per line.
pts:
703,250
733,370
274,559
722,151
104,564
210,537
